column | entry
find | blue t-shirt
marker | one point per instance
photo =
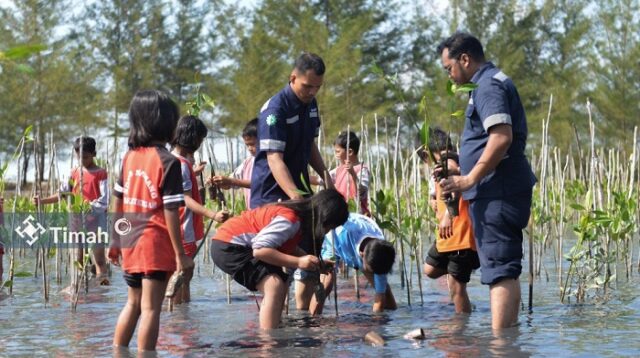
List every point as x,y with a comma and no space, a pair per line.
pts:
348,239
289,126
495,101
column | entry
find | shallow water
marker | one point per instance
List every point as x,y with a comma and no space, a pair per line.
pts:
208,326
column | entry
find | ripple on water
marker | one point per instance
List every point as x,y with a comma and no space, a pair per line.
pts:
210,326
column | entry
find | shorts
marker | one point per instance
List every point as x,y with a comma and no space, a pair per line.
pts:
497,226
459,263
238,261
306,276
134,280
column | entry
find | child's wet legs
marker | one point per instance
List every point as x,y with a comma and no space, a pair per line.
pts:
128,318
150,306
274,290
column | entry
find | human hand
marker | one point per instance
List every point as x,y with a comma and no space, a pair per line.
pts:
114,255
308,263
445,227
327,266
456,183
296,196
184,262
36,200
221,216
221,181
198,168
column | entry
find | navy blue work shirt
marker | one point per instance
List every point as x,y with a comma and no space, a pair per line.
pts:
289,126
495,101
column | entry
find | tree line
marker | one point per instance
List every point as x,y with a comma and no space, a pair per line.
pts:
380,56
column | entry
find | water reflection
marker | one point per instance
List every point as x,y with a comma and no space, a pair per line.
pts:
208,326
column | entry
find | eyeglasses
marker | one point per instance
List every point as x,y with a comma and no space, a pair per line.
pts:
453,60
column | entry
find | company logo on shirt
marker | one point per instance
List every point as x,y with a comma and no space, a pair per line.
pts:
271,120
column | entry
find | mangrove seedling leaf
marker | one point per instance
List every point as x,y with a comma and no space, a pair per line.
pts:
23,274
306,185
450,86
7,283
467,87
458,114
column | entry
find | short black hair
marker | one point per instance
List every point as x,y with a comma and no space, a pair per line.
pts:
379,255
88,145
310,61
353,144
439,140
462,42
190,132
152,118
250,129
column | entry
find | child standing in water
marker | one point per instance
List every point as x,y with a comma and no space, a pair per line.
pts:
454,252
190,133
351,176
254,246
94,191
149,193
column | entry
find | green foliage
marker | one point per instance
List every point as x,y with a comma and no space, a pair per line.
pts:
200,102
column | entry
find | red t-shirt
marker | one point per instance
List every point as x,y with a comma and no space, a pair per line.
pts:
271,226
149,182
92,181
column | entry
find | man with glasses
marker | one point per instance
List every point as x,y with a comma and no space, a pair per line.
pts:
496,177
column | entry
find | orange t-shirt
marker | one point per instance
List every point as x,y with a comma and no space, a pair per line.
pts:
271,226
150,182
462,237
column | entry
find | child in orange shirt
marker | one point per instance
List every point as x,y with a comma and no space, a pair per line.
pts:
454,252
148,193
94,191
254,246
190,133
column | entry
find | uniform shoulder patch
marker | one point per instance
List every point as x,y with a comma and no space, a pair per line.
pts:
271,119
500,76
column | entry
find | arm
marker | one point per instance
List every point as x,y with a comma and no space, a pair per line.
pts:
384,300
198,208
277,258
282,175
172,218
228,182
47,200
316,180
317,164
101,203
114,244
500,137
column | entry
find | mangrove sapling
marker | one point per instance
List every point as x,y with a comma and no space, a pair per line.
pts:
403,267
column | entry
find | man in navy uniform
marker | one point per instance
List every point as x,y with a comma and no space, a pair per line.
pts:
288,124
496,177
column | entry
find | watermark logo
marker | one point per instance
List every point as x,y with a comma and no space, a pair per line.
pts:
30,229
122,226
68,230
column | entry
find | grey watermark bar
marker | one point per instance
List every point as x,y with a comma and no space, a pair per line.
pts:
72,230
